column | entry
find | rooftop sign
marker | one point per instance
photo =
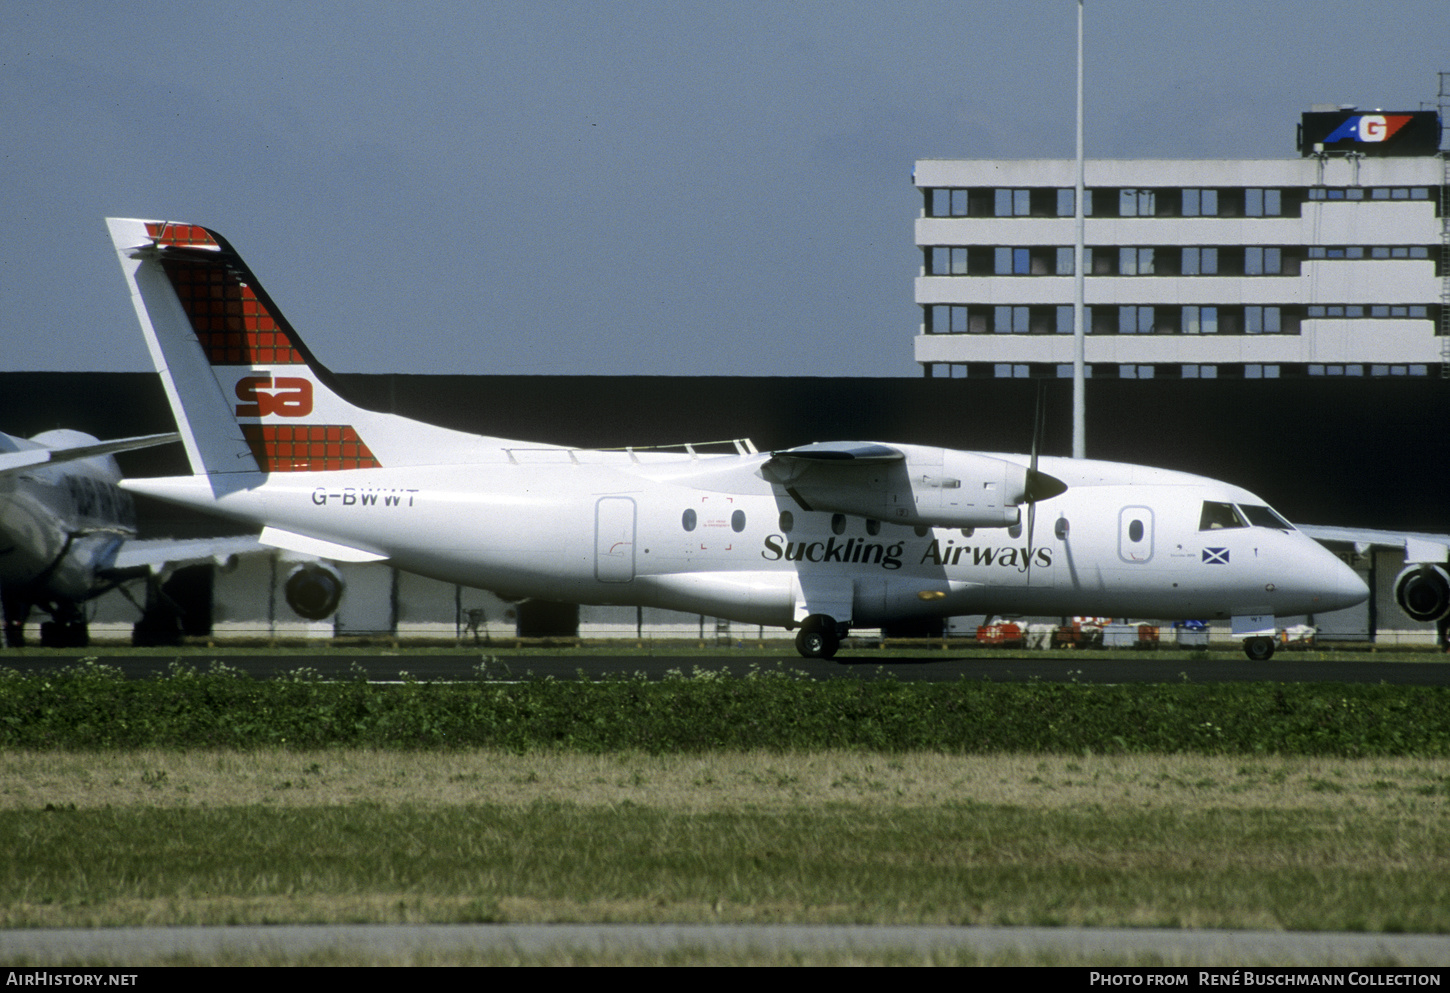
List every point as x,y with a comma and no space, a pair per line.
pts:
1370,133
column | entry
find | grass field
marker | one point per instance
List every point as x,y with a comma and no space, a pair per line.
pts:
160,837
1221,838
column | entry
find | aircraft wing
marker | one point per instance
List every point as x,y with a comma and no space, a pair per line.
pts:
1418,546
792,463
162,554
909,484
28,458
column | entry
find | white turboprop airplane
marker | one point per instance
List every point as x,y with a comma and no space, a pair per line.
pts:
68,534
818,538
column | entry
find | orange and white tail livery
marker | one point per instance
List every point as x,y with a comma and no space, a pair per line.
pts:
249,395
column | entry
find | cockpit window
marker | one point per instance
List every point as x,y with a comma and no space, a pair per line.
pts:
1218,516
1265,517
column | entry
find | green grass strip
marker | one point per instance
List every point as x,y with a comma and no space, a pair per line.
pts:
92,707
958,863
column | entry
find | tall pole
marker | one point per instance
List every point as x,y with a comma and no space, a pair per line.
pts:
1079,363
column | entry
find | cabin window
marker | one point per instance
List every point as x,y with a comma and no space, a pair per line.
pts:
1218,516
787,521
737,521
1135,531
838,523
688,519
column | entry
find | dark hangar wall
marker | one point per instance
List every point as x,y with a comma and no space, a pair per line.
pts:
1369,452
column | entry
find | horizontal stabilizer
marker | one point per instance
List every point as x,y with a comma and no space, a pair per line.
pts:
317,547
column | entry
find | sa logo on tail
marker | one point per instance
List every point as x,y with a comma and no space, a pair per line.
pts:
265,396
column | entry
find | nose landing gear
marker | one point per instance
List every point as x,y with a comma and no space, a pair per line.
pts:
1259,649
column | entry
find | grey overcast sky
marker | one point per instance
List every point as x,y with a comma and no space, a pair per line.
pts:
627,187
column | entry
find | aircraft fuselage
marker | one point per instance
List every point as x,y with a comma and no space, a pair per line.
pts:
712,534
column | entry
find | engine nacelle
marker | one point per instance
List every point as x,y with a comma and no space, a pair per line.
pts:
314,590
909,484
1423,591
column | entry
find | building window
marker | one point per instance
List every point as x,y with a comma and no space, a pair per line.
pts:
1262,320
1255,371
1012,203
1200,203
1135,372
1135,320
1334,193
1200,372
947,318
1137,203
1010,320
1065,206
1262,202
1260,261
1200,320
1399,193
1135,261
1012,261
1005,370
1200,261
1064,370
948,203
948,261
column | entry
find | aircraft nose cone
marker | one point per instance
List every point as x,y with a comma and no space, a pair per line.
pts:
1340,586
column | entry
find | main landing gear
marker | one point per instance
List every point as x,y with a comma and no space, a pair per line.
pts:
820,636
1259,649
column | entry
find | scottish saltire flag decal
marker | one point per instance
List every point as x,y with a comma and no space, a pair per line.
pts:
1215,556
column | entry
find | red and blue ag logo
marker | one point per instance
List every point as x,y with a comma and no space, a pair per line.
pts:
1368,128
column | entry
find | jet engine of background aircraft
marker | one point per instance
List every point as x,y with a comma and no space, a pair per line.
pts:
313,590
1422,587
1423,591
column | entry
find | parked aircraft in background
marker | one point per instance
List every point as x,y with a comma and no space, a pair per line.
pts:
1422,588
68,534
817,538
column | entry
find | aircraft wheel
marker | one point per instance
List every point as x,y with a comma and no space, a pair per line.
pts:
1259,649
817,638
156,628
64,634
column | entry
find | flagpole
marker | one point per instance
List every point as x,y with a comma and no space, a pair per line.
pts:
1079,363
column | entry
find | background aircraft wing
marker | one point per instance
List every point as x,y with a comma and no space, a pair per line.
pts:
1418,546
158,555
28,458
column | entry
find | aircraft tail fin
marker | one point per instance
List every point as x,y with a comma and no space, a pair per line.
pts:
247,394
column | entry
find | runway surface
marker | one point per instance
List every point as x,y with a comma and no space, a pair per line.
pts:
1285,667
119,946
